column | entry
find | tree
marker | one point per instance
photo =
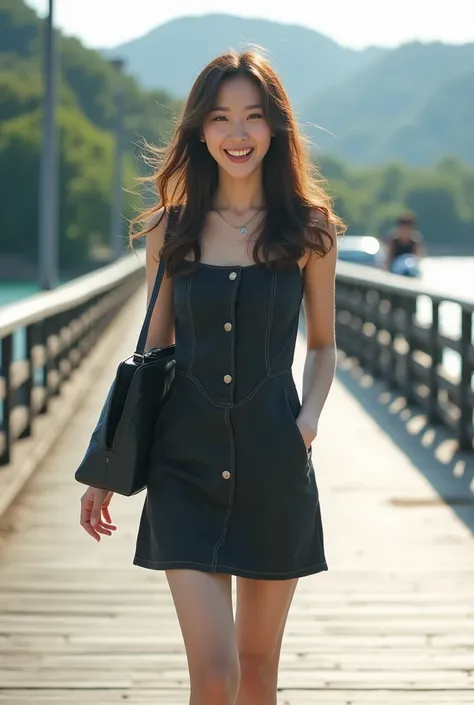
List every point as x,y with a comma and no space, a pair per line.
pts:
436,211
86,143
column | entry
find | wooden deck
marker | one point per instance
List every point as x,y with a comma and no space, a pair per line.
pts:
392,621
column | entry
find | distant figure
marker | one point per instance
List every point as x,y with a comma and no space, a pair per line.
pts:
404,240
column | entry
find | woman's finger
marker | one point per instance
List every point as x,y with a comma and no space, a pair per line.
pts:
85,520
106,513
90,530
103,530
105,527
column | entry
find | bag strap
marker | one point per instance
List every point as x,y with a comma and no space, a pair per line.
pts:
140,349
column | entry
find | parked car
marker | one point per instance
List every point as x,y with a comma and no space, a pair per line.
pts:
362,249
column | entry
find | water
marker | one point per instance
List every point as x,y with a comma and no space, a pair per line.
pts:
451,274
9,293
454,276
13,291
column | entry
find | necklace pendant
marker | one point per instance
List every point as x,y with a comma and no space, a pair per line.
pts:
243,230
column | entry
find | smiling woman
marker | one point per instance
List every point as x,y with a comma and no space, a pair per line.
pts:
236,131
245,231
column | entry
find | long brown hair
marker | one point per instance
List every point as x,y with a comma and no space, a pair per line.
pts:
298,209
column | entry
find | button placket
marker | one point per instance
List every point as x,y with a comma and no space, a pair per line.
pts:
228,328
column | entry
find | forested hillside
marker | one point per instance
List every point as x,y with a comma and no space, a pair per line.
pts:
86,118
170,55
414,104
367,197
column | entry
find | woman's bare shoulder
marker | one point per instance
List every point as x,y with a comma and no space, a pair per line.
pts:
317,219
156,227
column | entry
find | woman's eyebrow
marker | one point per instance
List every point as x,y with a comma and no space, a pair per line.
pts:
248,107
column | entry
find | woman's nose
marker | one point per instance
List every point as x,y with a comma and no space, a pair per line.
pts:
239,131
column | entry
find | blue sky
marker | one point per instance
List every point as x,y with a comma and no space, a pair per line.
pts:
354,23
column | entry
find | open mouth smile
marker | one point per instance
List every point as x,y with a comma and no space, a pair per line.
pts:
239,155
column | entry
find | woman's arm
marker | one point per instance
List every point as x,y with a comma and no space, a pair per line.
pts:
320,363
161,332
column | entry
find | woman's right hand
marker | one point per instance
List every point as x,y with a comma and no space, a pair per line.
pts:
95,516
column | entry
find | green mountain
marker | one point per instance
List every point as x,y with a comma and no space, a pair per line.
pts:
414,104
170,55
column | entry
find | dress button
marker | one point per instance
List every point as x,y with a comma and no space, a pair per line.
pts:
227,379
232,276
226,475
227,326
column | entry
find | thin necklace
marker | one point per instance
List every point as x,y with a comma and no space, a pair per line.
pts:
243,228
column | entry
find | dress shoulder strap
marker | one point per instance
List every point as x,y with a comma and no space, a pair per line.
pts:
173,219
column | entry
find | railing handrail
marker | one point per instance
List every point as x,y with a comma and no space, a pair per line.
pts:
44,304
393,283
49,303
379,323
46,337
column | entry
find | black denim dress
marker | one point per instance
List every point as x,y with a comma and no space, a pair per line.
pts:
232,487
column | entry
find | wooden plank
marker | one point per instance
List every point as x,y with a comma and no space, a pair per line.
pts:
110,678
286,697
391,622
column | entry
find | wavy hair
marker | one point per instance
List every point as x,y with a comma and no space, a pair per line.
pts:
299,210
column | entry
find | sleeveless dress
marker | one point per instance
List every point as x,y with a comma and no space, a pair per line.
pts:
232,487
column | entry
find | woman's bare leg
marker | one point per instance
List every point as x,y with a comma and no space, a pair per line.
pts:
262,609
203,604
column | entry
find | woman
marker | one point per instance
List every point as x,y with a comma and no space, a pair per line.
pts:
246,231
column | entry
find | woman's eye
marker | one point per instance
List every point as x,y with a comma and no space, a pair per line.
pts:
219,118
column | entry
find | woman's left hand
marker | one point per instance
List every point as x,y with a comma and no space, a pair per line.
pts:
307,433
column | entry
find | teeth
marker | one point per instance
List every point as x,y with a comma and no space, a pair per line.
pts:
239,152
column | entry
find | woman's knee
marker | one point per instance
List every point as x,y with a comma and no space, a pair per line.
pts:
258,673
216,681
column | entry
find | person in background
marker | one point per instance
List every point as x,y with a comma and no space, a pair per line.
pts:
404,239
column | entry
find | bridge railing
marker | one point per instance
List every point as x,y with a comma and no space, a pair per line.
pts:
419,339
45,337
395,327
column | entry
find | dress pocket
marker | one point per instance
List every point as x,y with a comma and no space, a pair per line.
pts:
296,431
160,424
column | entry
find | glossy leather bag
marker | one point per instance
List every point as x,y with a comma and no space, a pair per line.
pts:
118,453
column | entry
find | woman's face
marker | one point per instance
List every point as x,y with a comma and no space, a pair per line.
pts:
236,132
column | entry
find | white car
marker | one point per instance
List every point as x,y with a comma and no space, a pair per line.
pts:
362,249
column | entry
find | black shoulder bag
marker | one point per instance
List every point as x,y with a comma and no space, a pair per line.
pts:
118,453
